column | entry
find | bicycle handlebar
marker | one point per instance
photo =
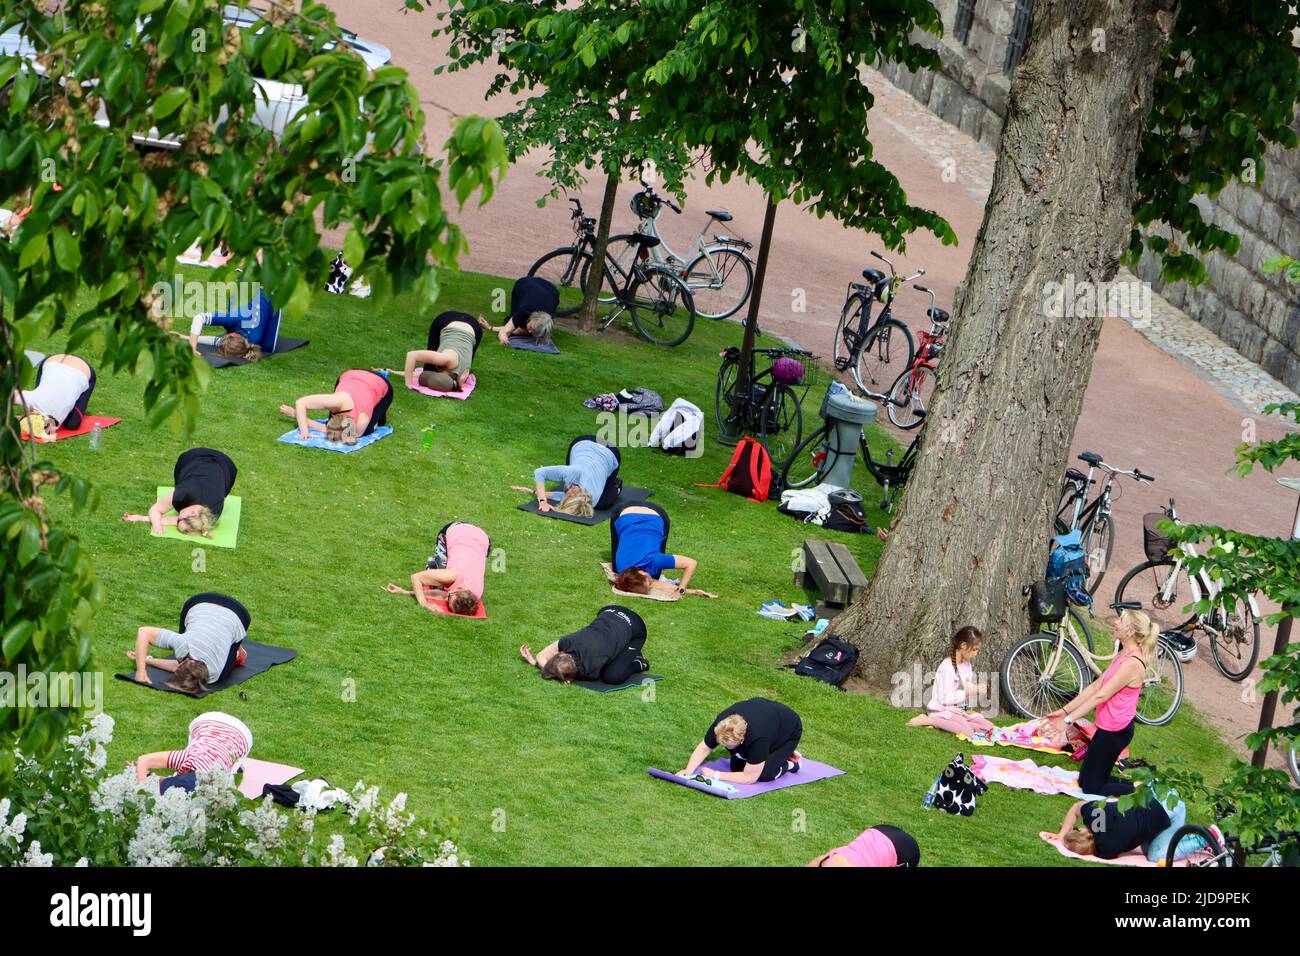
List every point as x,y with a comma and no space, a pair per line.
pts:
650,192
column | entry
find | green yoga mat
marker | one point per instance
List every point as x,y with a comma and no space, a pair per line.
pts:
224,533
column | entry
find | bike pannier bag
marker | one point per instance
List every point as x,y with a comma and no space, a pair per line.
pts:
1047,602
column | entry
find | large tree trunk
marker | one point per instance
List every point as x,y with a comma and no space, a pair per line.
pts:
596,274
975,517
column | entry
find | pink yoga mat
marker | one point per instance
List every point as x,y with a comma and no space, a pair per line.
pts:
88,423
466,389
1131,858
260,772
809,772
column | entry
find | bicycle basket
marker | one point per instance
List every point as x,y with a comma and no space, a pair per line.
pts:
643,207
1154,541
1047,602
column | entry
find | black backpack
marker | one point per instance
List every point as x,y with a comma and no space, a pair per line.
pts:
831,661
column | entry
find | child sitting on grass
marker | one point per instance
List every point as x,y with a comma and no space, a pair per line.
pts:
954,689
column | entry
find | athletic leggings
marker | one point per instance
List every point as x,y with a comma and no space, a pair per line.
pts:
73,421
613,525
1103,750
775,764
905,845
626,664
230,604
957,721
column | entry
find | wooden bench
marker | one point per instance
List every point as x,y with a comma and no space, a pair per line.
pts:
831,569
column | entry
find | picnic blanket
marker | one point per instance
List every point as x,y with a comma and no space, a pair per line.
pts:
1026,735
466,389
317,440
225,533
88,423
611,577
810,771
529,344
1027,775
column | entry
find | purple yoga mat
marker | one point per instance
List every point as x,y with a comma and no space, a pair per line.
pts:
809,771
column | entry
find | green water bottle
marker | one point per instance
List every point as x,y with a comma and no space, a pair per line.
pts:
428,436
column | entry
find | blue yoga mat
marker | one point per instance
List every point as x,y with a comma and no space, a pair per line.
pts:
318,441
527,343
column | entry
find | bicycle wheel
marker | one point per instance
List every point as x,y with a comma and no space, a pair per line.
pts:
567,269
1162,688
1033,685
661,306
1098,543
1146,584
846,333
810,461
781,428
724,401
620,256
909,396
1205,849
722,288
886,350
1234,637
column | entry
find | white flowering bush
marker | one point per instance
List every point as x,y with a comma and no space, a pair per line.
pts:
70,811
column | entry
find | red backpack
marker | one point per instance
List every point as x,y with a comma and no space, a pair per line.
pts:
749,473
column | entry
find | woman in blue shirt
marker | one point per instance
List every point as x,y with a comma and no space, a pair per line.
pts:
589,482
638,543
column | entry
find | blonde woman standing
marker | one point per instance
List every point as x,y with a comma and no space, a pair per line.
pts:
1115,696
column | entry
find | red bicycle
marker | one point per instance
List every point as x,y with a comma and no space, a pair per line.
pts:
909,396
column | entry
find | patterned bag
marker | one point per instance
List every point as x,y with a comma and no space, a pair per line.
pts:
958,787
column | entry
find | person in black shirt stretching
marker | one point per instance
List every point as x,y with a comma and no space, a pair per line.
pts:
761,736
203,478
1107,832
533,304
606,650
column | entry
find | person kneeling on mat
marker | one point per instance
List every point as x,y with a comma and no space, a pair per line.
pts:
458,570
638,537
587,483
760,734
206,649
64,384
357,406
217,742
444,365
533,304
606,650
202,479
881,845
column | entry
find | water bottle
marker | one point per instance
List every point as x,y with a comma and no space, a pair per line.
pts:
928,802
97,436
428,436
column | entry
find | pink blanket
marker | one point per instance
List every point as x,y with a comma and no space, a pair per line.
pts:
1027,775
466,389
259,772
1028,736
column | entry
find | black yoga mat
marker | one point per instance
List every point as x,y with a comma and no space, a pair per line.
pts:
217,360
629,496
261,657
602,688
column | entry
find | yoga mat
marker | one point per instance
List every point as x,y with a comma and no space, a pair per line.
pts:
611,577
439,606
261,657
317,440
629,496
527,343
1027,775
88,423
257,773
225,532
217,360
1131,858
467,387
810,771
603,688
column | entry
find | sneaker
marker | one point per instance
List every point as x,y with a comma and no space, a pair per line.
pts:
792,765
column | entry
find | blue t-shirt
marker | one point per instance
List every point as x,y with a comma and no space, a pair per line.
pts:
640,536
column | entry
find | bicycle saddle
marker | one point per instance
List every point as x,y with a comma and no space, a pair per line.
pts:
644,241
874,276
719,214
1091,457
939,315
1074,474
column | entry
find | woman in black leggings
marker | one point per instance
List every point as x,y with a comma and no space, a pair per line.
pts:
606,650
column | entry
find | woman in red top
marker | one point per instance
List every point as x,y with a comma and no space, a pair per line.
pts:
1115,696
357,406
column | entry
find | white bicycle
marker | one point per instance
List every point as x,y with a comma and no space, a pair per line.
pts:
1164,589
719,272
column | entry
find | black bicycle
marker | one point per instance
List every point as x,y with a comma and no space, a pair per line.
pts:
658,301
772,410
814,457
878,351
1092,518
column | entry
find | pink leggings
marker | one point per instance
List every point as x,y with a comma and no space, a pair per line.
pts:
960,722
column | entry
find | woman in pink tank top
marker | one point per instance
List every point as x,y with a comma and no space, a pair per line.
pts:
357,406
882,845
456,571
1115,696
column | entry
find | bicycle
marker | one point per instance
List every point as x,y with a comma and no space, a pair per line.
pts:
1046,669
719,274
653,296
1092,519
910,394
876,351
1279,849
817,454
1156,585
772,411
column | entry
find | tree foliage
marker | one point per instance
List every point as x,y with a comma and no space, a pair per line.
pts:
108,219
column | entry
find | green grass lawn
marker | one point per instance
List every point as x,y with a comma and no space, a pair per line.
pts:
444,708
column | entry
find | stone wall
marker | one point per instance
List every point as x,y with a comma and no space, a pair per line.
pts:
1256,314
